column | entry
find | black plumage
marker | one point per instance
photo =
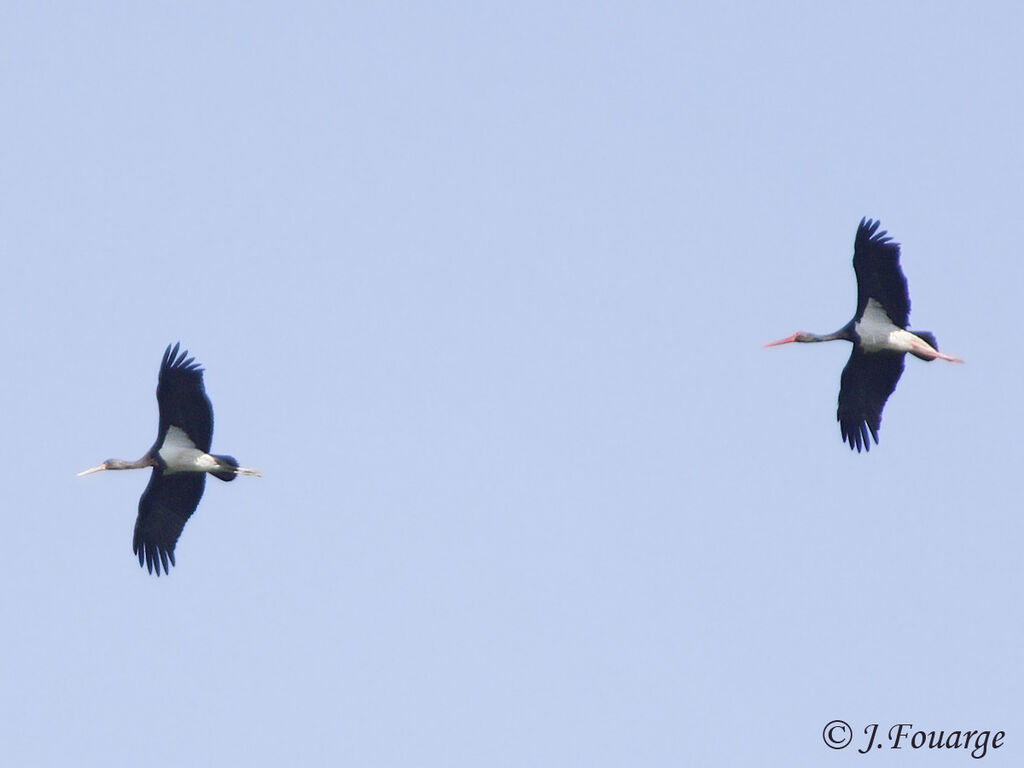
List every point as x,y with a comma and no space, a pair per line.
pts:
180,460
166,505
182,399
879,335
170,499
869,379
865,385
876,262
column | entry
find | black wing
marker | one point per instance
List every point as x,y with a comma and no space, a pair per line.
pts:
876,260
166,505
868,380
182,399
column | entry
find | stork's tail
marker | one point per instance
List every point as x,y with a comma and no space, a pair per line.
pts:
933,353
929,337
227,475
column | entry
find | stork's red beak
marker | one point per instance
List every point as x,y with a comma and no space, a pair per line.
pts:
783,341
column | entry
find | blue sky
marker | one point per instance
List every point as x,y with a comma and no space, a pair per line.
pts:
481,289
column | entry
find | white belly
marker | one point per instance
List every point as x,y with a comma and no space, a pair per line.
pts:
893,341
878,333
180,454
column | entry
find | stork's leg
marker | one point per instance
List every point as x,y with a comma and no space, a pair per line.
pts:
929,353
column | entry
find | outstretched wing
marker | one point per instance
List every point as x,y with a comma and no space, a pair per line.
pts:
182,399
867,382
166,505
876,260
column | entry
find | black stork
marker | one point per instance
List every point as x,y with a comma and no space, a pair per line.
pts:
879,334
180,460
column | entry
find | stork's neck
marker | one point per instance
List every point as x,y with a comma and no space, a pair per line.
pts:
843,334
145,461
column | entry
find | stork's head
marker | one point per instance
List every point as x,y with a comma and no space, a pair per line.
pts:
115,464
800,336
108,464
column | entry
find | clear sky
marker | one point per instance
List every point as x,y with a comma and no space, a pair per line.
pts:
481,288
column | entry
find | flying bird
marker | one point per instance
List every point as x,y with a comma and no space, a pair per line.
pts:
879,334
180,459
